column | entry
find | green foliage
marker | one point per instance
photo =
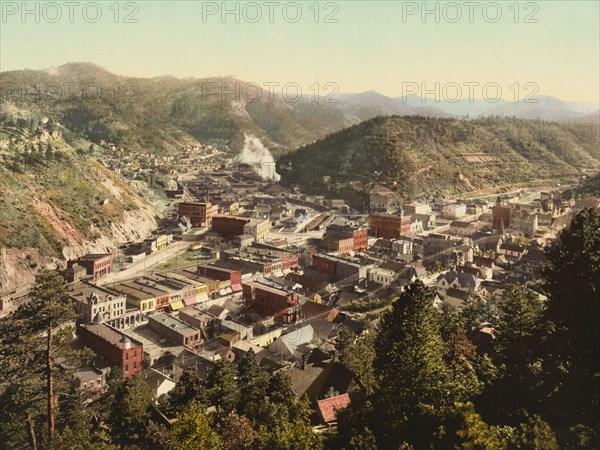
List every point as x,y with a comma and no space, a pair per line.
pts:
425,156
222,389
253,383
34,337
416,386
130,409
358,355
572,282
518,333
193,431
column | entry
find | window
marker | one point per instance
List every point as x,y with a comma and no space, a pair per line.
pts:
126,368
135,364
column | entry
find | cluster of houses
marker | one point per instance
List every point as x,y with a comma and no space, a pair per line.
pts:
289,270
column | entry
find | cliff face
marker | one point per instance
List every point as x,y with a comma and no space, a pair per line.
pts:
58,202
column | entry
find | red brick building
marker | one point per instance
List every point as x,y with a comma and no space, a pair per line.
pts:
96,264
229,226
361,240
271,302
389,226
114,346
500,217
323,264
343,232
199,214
220,273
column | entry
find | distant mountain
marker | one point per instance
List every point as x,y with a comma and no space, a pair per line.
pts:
537,108
425,157
160,114
366,105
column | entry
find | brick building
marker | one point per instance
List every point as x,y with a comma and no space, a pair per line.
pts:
229,226
220,273
389,226
501,217
96,264
271,302
175,330
114,346
199,214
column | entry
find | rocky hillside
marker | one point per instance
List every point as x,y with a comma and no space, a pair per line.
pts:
425,157
58,201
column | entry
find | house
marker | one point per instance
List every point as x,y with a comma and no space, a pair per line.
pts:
381,201
510,250
311,310
454,211
317,380
287,345
158,382
328,407
457,280
270,301
199,214
389,226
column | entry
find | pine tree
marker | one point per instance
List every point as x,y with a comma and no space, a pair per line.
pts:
416,389
130,410
518,335
222,389
253,383
572,282
34,337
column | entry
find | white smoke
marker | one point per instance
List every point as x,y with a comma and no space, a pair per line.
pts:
259,156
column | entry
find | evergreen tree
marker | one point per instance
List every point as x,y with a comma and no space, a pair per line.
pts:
35,336
189,388
130,410
518,335
253,383
222,388
416,389
572,282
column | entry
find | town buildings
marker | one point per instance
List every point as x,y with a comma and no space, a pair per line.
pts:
114,346
389,226
199,214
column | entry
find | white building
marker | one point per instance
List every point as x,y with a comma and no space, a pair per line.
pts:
454,211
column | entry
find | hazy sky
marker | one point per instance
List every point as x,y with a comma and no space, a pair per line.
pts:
374,45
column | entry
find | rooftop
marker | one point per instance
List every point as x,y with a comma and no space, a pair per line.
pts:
173,323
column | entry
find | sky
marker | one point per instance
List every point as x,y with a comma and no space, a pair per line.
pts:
450,49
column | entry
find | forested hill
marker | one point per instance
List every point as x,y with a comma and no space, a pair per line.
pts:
420,156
